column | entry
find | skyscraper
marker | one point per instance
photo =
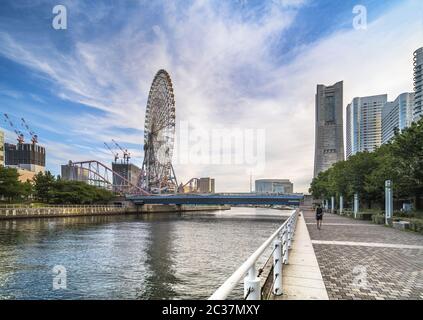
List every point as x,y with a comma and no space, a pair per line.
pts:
329,136
418,84
364,123
397,115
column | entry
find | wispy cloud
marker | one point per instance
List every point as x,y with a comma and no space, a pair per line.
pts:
227,68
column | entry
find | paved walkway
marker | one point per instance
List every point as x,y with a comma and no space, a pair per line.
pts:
361,260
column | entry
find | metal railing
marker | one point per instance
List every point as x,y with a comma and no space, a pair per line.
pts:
281,242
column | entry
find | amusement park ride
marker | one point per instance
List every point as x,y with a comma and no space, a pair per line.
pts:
157,174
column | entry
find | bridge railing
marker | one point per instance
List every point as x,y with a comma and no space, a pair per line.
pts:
280,241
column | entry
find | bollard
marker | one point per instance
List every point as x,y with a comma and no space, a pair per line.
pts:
277,268
356,204
252,285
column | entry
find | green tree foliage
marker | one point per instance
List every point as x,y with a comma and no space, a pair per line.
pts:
59,191
43,184
365,173
10,186
47,189
77,192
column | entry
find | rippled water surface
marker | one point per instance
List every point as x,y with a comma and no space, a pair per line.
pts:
156,256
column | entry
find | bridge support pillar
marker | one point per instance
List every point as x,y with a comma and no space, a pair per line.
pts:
252,290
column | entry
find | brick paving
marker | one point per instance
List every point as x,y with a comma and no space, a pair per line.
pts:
366,272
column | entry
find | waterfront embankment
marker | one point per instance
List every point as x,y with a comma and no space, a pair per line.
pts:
19,212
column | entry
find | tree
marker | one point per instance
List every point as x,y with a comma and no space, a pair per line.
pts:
320,185
407,150
10,186
365,173
43,185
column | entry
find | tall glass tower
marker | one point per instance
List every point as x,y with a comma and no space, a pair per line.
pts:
364,123
329,133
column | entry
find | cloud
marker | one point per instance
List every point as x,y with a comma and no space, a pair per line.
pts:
227,71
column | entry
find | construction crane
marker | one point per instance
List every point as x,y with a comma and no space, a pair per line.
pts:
116,155
126,154
20,135
34,137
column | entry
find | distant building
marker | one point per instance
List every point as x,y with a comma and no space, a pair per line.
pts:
25,175
418,84
27,156
329,135
1,148
364,123
274,186
74,173
206,185
128,171
397,115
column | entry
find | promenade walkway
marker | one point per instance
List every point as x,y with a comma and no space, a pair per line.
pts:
361,260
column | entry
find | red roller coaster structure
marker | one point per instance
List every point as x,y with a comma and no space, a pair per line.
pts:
96,173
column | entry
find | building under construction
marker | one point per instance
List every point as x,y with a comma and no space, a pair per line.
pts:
128,171
28,156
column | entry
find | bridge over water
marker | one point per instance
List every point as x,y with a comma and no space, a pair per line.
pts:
219,199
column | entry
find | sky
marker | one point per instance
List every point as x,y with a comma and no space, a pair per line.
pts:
244,71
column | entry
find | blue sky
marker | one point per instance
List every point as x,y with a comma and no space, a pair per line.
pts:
234,64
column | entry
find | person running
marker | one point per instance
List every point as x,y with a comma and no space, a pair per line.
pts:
319,216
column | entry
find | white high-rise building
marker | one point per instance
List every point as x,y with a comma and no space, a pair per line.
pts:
418,84
364,124
397,115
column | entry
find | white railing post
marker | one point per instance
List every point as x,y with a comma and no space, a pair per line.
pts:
285,246
277,268
252,290
289,234
247,271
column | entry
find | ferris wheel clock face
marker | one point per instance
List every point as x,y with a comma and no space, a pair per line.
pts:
159,134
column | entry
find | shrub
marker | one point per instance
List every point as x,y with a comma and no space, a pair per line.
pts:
378,218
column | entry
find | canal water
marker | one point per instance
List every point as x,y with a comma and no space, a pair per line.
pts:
155,256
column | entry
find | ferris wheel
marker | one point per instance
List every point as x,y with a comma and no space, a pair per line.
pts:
157,174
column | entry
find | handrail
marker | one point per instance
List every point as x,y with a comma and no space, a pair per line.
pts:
249,265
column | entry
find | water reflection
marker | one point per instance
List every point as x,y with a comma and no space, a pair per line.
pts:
156,256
